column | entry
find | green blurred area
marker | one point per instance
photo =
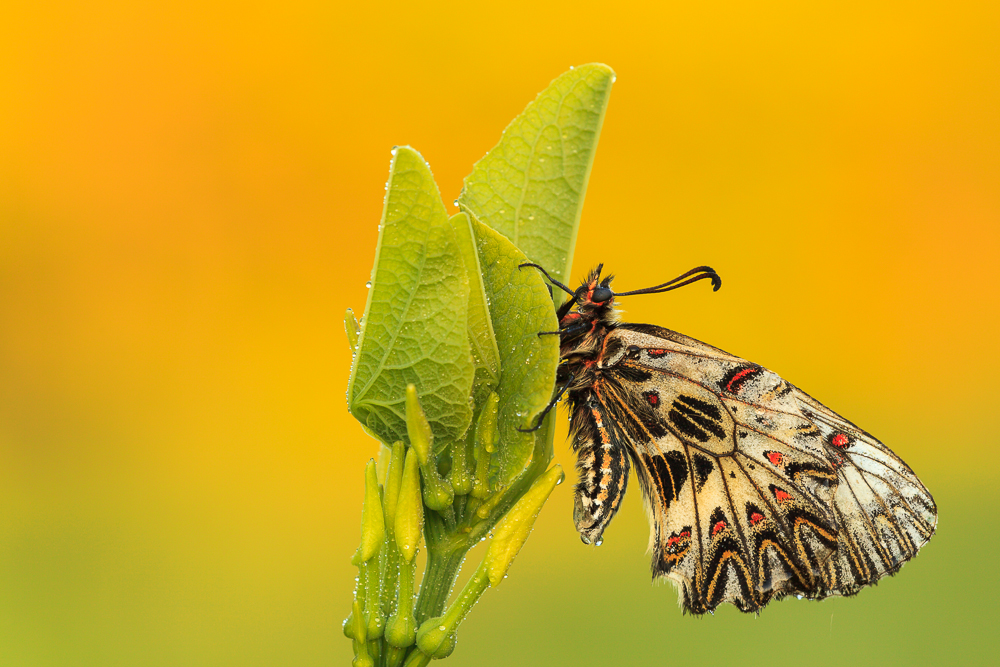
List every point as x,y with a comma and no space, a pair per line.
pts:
127,576
571,604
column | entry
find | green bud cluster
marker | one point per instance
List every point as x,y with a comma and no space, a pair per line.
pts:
391,624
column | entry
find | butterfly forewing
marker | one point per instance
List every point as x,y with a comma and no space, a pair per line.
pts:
887,511
753,489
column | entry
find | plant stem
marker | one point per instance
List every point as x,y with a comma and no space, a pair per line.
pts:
439,578
467,599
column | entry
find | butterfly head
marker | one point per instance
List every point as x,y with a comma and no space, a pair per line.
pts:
594,293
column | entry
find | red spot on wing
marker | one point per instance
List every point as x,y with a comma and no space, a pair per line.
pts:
679,539
774,457
718,527
654,399
656,352
841,440
739,376
756,518
780,495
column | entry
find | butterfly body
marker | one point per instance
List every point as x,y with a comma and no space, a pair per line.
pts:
754,490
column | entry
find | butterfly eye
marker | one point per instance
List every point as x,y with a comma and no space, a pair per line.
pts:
601,294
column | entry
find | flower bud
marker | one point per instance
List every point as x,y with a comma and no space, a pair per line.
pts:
409,518
373,603
486,426
393,480
485,438
348,625
372,519
417,659
490,503
362,658
512,530
417,427
438,494
353,330
461,480
401,630
434,638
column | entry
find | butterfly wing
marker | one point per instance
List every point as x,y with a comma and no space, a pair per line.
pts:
602,466
886,512
751,493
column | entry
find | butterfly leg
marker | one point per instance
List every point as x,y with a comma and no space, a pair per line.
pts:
568,330
546,274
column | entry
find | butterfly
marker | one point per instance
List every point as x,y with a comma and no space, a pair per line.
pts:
754,489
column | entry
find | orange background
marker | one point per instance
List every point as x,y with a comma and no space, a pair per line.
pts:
189,199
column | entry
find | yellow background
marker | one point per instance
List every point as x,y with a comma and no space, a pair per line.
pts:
189,197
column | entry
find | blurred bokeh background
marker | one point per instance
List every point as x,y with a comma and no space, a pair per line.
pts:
189,199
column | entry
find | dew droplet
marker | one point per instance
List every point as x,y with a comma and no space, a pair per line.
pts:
442,628
368,284
599,542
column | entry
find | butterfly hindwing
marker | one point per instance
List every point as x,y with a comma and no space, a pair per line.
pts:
602,464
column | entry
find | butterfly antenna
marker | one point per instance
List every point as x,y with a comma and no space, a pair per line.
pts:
550,278
692,276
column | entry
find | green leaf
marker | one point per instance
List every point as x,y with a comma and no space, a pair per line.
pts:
415,324
531,186
483,342
520,307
